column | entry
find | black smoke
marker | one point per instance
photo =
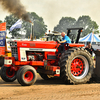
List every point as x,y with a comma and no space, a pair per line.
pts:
15,7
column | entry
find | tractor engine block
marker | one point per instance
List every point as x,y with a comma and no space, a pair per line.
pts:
32,56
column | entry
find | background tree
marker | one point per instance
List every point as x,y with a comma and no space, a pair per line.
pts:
87,24
39,27
64,23
83,21
10,20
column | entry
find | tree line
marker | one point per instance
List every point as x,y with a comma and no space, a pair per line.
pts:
40,28
83,21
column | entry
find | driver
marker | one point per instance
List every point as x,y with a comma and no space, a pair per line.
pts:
65,39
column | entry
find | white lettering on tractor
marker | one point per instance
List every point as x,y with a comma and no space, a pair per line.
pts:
24,44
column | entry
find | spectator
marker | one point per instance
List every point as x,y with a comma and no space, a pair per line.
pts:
89,48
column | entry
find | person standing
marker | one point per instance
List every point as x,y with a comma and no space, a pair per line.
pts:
89,48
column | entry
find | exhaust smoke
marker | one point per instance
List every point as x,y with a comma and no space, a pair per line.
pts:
15,7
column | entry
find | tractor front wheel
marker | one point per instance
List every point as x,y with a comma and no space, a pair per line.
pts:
27,75
8,74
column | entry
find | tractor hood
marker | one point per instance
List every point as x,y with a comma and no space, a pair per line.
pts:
41,44
37,44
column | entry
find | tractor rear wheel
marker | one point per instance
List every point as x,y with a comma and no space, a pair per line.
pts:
76,66
27,75
8,74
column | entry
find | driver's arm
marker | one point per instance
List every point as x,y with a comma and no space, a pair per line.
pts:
62,41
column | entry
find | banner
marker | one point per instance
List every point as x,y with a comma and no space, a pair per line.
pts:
3,26
18,24
2,38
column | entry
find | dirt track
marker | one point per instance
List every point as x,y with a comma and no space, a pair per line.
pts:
49,90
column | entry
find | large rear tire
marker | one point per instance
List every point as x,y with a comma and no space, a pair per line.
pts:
76,66
27,75
8,74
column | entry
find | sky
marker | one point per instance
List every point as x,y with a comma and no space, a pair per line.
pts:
53,10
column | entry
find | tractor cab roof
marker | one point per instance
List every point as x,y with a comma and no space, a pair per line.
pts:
74,28
78,35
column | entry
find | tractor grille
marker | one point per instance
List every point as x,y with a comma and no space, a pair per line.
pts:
14,52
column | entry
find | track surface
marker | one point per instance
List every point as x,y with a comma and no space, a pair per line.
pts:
49,90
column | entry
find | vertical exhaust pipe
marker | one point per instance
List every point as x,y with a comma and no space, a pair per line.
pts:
32,32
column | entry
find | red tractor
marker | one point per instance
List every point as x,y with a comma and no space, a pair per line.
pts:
74,65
